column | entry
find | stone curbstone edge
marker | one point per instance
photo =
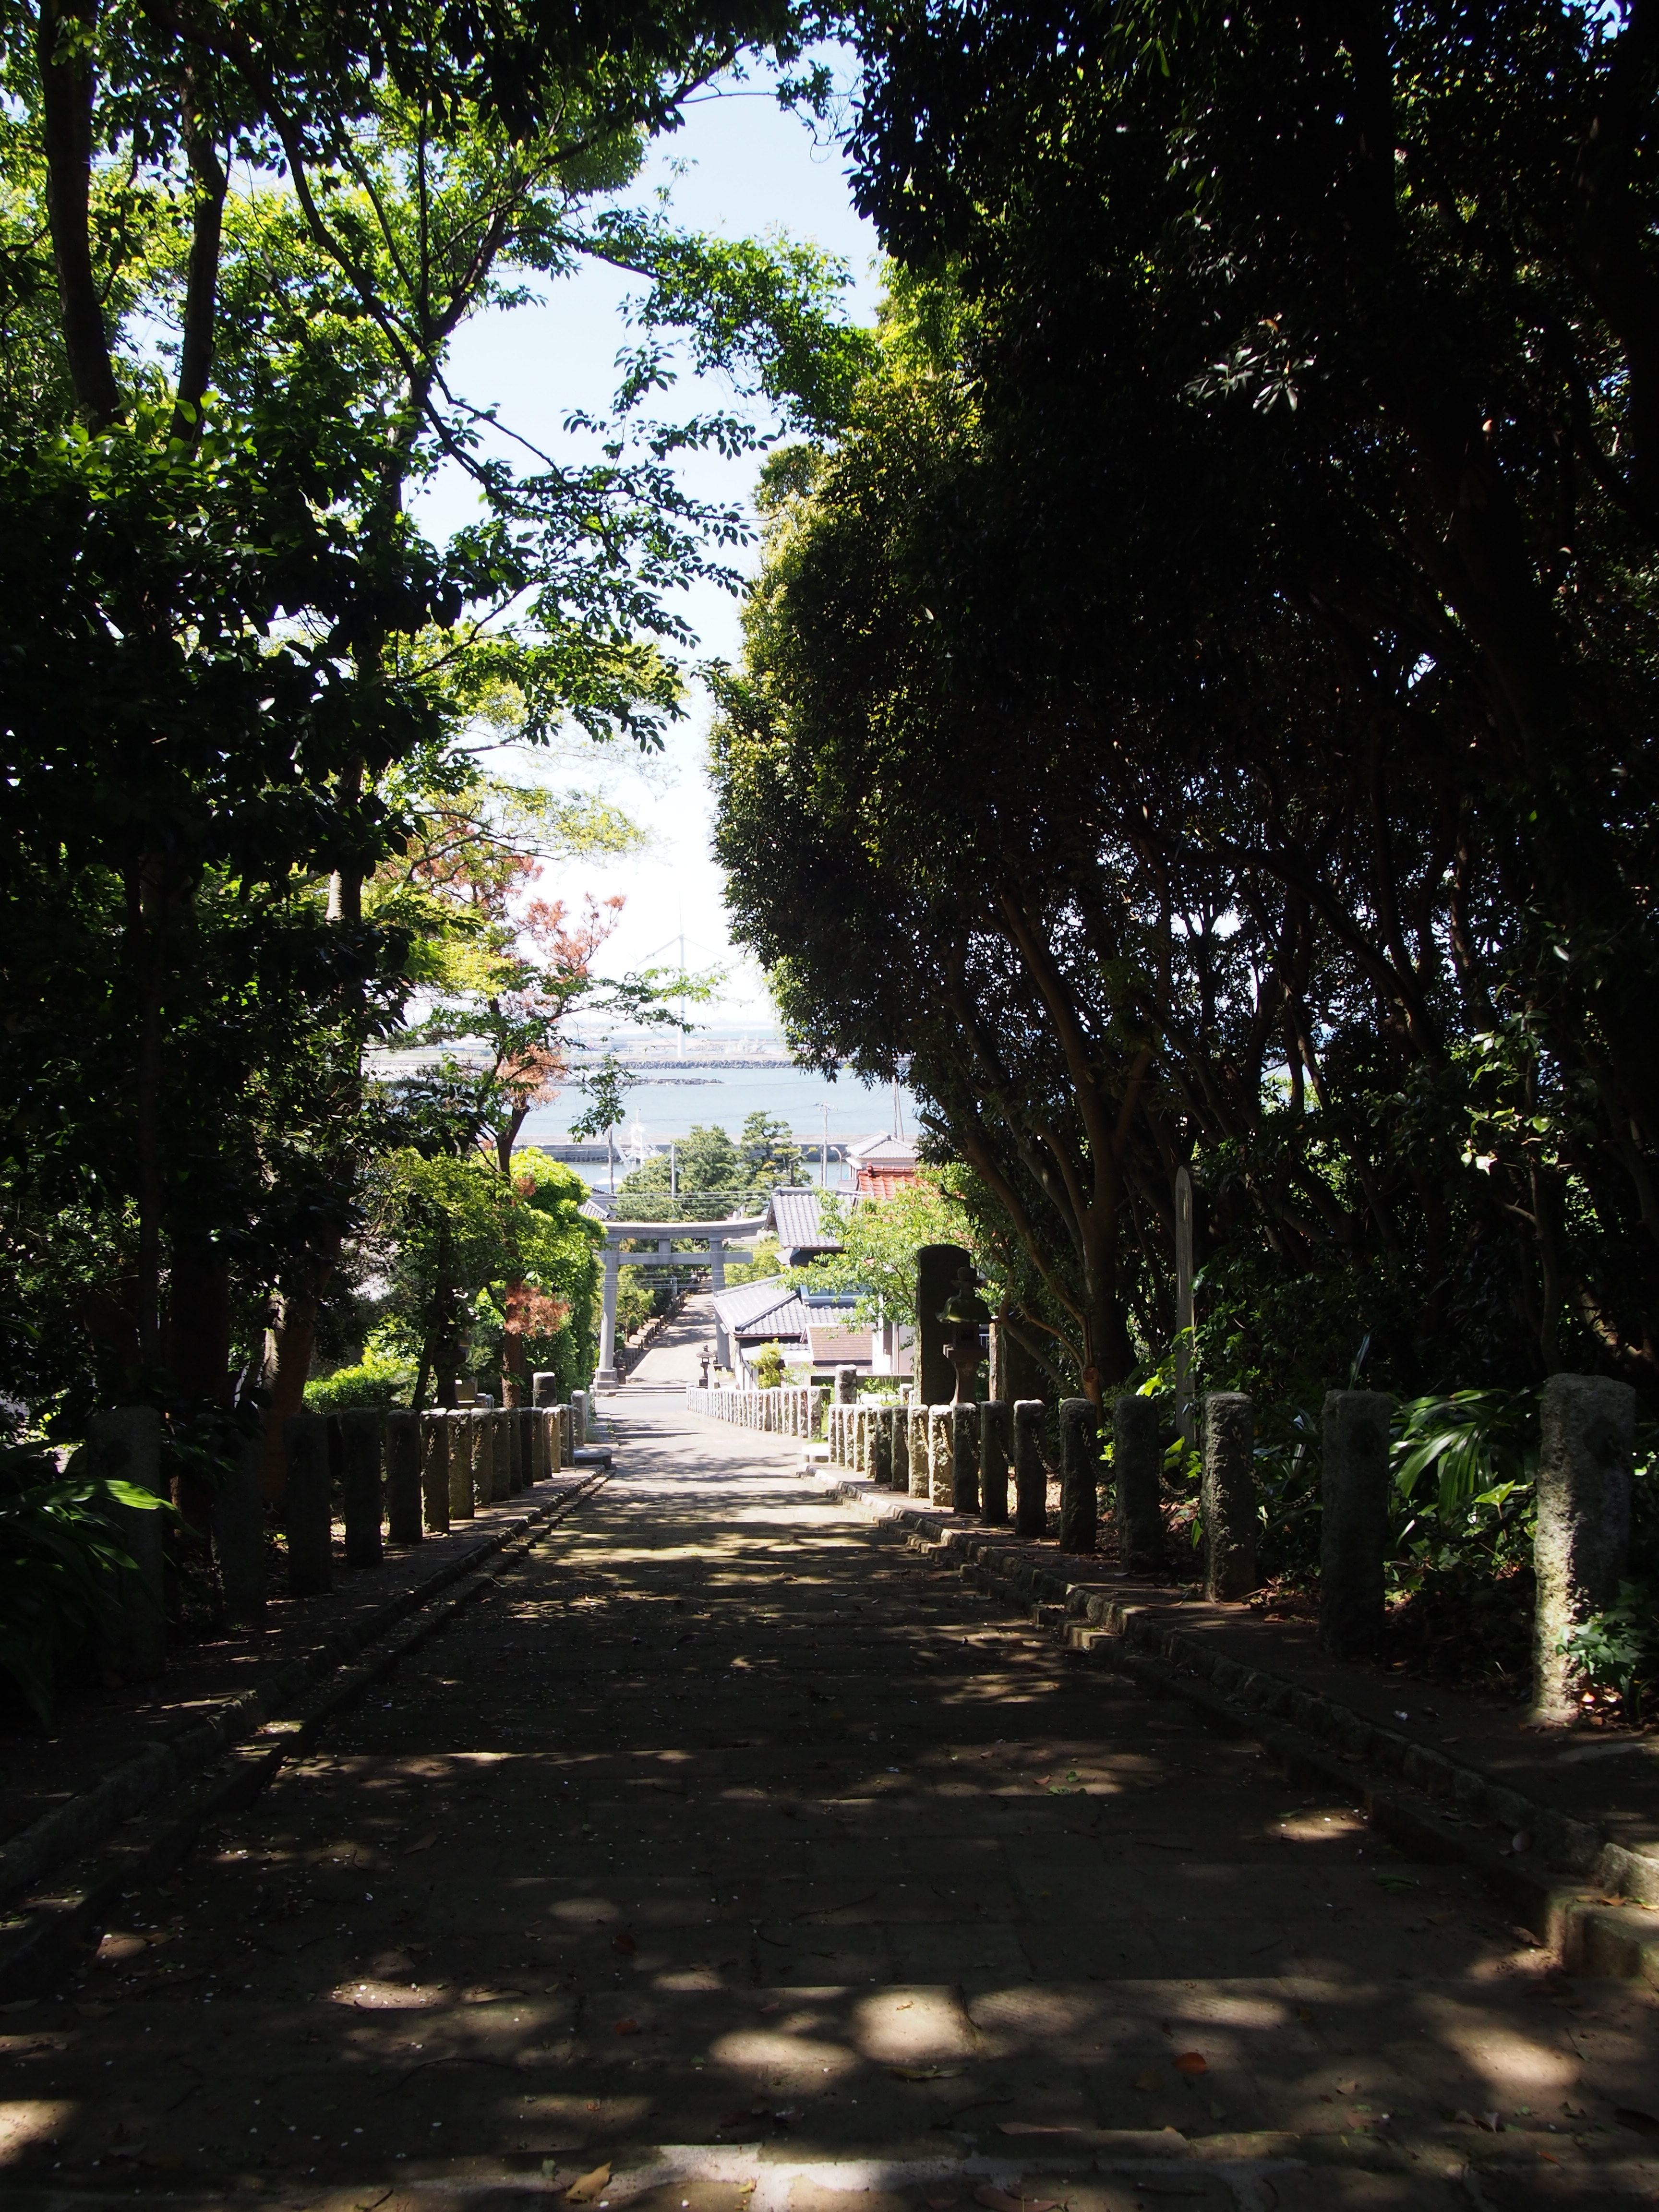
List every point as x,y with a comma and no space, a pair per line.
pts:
38,1930
1615,1932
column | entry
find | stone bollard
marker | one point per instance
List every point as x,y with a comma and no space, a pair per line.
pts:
544,1388
918,1451
307,1512
938,1455
553,1445
578,1421
501,1457
1228,1494
899,1473
238,1519
1030,1475
1354,1525
359,1432
993,1464
567,1436
964,1457
458,1423
1587,1426
481,1440
881,1449
1079,1474
439,1437
125,1445
405,1433
1138,1472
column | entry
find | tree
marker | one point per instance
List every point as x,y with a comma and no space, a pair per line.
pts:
880,1239
237,666
1214,667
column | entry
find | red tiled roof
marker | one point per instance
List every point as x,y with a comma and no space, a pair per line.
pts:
884,1181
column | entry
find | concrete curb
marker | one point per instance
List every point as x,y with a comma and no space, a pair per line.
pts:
1426,1799
256,1731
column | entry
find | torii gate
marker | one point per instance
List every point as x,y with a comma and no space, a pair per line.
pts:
716,1235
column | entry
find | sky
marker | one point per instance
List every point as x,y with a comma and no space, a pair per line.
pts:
740,167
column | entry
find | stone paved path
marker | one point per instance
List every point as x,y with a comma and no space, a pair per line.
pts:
730,1856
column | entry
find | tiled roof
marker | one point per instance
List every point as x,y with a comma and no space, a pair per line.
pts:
787,1322
884,1152
742,1306
884,1181
793,1216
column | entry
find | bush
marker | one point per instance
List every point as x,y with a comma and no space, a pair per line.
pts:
769,1367
1617,1650
58,1549
380,1378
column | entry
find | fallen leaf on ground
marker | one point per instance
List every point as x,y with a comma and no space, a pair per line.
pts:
903,2005
425,1844
626,2027
924,2073
625,1943
1149,2078
584,2191
1192,2062
1492,2123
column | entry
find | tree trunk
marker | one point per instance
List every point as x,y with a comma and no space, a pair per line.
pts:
147,938
63,51
515,1367
289,1343
197,1342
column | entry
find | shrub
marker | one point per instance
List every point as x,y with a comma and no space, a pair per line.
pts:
58,1549
380,1378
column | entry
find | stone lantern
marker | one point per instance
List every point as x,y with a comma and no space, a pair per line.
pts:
963,1315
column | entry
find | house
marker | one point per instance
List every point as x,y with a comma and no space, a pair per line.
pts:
795,1218
882,1166
752,1315
812,1328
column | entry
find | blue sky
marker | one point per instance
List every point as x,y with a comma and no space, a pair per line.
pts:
741,165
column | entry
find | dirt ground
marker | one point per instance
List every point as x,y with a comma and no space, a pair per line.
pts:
731,1857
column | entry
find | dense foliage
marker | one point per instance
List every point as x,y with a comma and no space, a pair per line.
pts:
1201,711
243,836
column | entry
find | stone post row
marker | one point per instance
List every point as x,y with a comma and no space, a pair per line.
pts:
1030,1475
1228,1496
1079,1474
993,1432
919,1450
1586,1435
1137,1477
406,1435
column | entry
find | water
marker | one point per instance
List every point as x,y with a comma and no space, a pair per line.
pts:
667,1105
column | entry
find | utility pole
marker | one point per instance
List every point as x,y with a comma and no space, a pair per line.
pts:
673,1169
